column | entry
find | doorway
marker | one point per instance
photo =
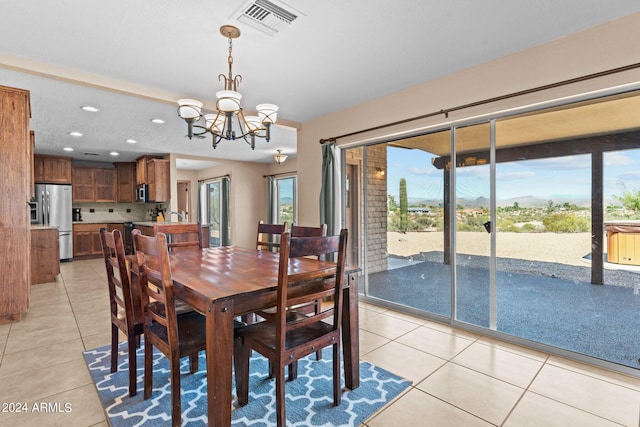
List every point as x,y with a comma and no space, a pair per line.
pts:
184,199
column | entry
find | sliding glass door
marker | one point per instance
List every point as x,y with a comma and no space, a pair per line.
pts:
526,226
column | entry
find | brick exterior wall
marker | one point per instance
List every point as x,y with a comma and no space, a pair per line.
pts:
376,208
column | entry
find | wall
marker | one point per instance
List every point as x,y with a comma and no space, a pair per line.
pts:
248,203
608,46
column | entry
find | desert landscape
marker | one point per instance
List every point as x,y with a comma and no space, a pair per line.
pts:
563,248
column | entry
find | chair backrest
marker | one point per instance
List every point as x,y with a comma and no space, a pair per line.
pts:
152,256
329,280
268,236
181,235
303,231
126,300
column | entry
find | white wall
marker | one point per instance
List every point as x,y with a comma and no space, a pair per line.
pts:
608,46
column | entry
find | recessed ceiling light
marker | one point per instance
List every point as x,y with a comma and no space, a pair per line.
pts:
158,121
131,141
90,108
114,153
68,149
76,134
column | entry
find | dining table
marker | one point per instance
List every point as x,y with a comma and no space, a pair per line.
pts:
223,283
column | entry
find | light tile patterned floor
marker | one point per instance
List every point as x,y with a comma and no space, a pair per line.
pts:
459,378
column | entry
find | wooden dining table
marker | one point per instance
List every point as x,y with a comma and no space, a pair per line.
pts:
225,282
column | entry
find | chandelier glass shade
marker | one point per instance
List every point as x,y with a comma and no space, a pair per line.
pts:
229,121
280,158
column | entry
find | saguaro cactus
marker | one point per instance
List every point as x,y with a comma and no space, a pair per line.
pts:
404,206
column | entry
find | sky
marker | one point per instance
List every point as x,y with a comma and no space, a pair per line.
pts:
547,179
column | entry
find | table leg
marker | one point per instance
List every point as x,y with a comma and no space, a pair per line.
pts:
219,362
351,335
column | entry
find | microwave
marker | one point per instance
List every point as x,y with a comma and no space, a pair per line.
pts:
35,213
142,193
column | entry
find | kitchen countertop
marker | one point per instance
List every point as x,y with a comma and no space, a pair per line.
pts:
43,227
152,223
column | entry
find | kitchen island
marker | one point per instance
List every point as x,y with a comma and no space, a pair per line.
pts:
148,228
45,254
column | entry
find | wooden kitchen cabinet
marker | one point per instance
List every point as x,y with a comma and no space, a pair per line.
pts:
45,255
158,180
93,184
105,180
15,192
126,180
83,185
155,172
86,240
51,169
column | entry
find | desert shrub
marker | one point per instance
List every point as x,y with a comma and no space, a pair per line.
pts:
565,223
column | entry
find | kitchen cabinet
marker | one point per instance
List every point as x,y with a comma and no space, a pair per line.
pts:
86,240
15,193
155,172
105,185
51,169
45,254
158,180
93,184
126,180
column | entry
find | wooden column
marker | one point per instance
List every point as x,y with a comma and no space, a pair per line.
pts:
15,192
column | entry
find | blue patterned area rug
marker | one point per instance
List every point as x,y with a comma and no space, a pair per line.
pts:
309,397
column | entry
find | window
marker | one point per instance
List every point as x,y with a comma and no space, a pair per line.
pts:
283,200
214,210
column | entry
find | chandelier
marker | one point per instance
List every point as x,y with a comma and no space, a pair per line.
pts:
280,158
221,124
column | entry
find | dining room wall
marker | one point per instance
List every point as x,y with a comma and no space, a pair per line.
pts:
248,198
594,50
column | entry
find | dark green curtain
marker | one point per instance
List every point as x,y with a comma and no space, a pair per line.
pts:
327,191
225,229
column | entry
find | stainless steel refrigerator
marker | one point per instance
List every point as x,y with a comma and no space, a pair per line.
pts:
54,208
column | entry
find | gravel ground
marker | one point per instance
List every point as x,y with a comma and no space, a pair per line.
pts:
548,254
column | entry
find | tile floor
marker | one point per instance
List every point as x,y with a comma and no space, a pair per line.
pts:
459,378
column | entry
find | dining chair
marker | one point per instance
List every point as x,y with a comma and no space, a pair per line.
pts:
267,236
124,303
181,235
176,336
302,231
293,336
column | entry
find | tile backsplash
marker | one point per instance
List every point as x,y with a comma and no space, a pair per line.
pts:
117,212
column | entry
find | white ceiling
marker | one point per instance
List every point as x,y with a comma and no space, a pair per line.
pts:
135,58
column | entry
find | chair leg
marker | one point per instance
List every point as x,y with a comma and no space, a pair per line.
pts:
337,385
148,369
316,308
176,404
241,356
281,414
133,366
193,363
114,348
293,370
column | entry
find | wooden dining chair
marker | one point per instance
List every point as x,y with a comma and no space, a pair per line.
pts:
181,235
267,236
124,303
175,336
302,231
291,337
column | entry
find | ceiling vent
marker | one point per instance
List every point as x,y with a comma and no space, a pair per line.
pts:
266,16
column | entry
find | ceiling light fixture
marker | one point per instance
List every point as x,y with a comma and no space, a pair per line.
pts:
89,108
76,134
131,141
220,124
114,153
157,121
68,149
280,158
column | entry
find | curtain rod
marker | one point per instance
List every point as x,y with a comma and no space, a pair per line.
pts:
278,174
214,177
490,100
